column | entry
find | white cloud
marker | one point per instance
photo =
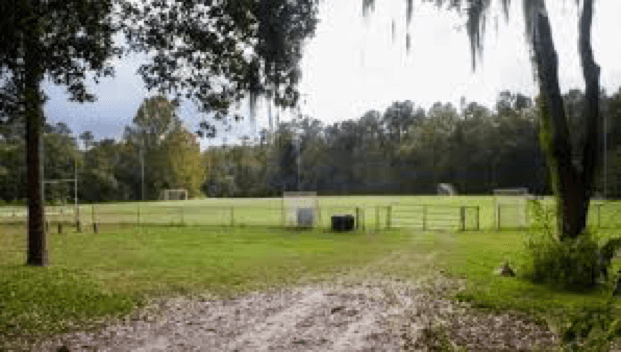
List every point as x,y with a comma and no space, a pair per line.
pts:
351,67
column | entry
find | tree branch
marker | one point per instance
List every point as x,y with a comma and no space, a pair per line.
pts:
591,72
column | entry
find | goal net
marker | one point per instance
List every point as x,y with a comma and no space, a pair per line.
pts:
300,209
446,189
175,194
510,207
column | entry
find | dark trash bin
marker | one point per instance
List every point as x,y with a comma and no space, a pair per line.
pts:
342,222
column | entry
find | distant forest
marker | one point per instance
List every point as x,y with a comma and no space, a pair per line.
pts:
402,150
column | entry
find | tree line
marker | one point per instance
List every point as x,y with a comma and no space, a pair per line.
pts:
402,150
409,150
108,170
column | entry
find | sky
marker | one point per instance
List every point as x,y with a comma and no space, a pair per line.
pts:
353,64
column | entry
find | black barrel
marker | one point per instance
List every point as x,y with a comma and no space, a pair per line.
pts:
343,222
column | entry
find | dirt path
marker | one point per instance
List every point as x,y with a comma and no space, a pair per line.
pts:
356,313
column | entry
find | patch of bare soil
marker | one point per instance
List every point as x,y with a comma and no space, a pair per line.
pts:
348,315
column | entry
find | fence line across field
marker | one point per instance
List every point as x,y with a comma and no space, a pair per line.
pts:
379,217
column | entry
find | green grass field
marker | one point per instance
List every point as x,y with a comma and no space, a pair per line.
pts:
405,211
110,273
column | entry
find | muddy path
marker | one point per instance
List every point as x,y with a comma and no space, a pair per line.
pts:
355,312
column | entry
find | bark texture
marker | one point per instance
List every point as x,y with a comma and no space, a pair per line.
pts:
33,76
573,184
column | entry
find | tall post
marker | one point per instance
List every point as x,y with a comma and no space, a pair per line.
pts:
605,158
142,168
75,183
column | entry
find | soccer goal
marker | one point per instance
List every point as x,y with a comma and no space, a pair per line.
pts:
446,189
175,194
300,209
510,207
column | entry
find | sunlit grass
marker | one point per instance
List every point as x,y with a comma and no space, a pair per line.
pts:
111,272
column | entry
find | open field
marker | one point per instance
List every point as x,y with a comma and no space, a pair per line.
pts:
112,273
99,277
428,212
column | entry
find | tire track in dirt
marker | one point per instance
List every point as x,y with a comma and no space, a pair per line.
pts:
358,311
275,327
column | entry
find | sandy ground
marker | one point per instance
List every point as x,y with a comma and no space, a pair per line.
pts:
358,311
376,315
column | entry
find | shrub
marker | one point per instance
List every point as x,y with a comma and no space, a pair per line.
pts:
572,264
592,329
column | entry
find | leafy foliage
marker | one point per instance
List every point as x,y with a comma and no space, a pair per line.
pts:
573,264
225,52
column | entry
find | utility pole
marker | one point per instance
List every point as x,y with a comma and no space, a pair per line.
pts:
75,187
146,112
605,157
142,168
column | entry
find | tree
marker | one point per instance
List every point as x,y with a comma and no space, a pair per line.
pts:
572,182
185,169
60,39
256,46
88,138
227,45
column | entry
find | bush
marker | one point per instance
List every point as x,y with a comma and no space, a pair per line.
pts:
572,265
592,329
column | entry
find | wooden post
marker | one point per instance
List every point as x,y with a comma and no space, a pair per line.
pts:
78,226
477,217
93,214
138,213
497,211
377,218
232,216
357,218
388,212
424,217
96,227
462,218
60,227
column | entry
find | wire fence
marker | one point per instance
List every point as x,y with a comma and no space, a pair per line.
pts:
367,217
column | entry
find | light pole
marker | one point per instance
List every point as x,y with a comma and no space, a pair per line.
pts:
605,157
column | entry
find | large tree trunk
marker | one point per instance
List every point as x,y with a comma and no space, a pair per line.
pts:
572,183
33,76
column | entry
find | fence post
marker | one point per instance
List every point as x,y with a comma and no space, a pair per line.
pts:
357,218
377,218
424,217
462,218
498,207
93,214
138,215
78,226
389,211
232,216
477,218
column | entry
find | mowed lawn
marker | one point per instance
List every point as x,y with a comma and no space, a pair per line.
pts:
377,212
110,273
